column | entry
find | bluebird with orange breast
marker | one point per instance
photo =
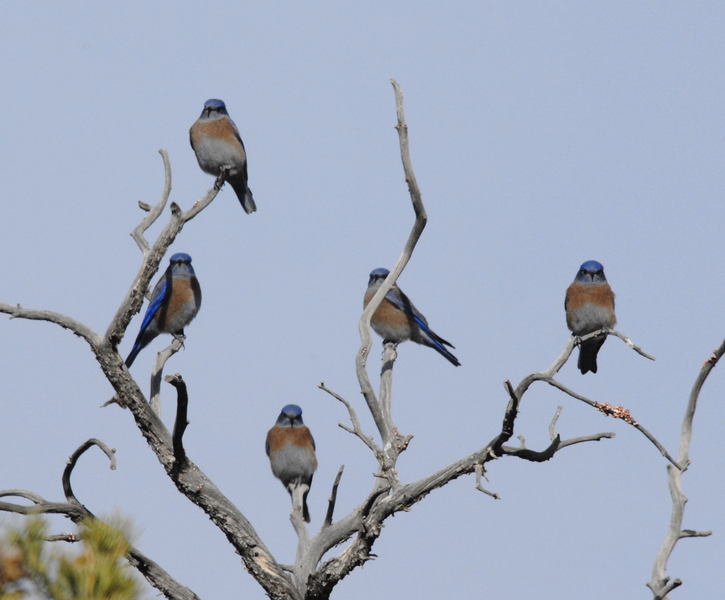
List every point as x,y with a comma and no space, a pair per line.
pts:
397,320
216,142
589,305
291,450
174,303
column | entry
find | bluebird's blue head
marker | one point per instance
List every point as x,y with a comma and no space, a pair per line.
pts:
180,265
214,108
378,276
180,257
591,272
291,416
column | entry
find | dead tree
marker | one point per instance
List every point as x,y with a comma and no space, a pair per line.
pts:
308,577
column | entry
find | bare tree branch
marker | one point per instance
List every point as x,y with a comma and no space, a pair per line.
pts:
307,578
385,428
618,412
659,583
188,478
594,437
479,474
182,401
356,427
67,489
18,312
629,343
154,211
153,256
158,369
76,512
158,577
333,498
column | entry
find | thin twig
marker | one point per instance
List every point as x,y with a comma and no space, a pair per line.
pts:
479,473
333,498
109,452
552,425
618,412
629,343
356,427
154,212
594,437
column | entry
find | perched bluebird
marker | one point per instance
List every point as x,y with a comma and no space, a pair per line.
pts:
397,320
589,306
291,450
216,142
174,303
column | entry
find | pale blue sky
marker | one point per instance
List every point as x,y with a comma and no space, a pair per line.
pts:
542,135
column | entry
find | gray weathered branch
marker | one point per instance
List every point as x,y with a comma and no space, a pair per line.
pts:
188,478
76,512
385,427
158,370
659,582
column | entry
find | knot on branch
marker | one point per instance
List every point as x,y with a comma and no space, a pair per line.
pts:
618,412
401,441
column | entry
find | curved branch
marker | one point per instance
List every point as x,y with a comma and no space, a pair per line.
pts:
155,211
18,312
76,512
618,412
67,489
356,427
158,370
386,429
27,494
659,586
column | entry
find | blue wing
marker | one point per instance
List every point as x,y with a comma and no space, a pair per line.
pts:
162,289
157,297
426,335
400,301
236,131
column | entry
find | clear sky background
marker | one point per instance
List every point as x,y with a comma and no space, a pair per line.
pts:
542,135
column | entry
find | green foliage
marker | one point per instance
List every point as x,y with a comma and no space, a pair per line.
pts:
98,572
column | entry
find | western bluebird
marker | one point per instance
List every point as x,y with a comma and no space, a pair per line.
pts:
397,320
291,450
174,303
217,143
589,306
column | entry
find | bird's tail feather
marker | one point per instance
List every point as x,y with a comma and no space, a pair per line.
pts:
439,344
132,356
588,351
305,510
245,196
